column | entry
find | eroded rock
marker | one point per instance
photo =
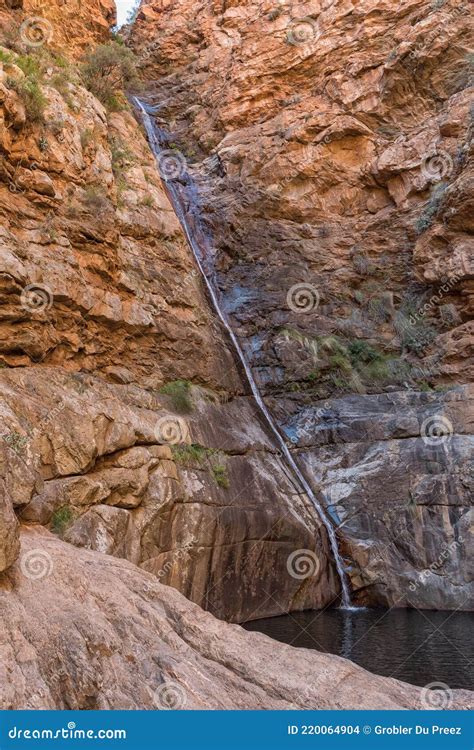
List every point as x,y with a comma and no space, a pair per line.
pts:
137,644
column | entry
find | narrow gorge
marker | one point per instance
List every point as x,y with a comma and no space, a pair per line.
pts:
236,342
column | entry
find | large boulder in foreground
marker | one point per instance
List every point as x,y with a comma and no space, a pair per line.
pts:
82,630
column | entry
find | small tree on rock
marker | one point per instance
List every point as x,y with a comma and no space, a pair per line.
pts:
109,69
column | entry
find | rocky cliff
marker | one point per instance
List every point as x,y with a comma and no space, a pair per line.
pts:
331,146
128,427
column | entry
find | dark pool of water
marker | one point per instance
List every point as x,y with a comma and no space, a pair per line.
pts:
417,647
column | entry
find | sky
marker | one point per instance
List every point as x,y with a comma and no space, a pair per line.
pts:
123,9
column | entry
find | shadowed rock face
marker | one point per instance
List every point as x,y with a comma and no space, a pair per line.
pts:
331,143
87,459
403,501
137,644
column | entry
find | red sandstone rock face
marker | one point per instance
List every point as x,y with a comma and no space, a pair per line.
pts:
331,144
85,218
102,306
343,143
90,460
70,27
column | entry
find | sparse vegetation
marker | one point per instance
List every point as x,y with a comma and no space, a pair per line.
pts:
210,458
61,519
221,476
6,57
426,218
415,332
61,82
339,360
362,264
180,393
188,454
28,88
96,198
11,35
361,351
56,127
16,441
87,137
147,201
416,337
31,66
122,157
33,98
108,70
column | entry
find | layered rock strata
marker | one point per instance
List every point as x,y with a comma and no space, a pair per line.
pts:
126,426
331,146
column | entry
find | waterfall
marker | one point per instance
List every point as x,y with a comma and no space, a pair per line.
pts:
178,204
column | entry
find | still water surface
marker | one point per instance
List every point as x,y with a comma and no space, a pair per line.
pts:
417,647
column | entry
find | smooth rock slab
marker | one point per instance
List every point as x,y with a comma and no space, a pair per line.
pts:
81,630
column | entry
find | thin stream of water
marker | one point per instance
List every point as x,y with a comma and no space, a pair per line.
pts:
178,205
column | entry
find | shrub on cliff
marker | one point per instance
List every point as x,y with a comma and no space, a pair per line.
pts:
108,70
29,88
180,393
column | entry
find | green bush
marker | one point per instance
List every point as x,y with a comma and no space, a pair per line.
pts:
180,393
221,476
6,57
209,458
29,88
33,98
362,351
108,70
61,519
30,65
189,454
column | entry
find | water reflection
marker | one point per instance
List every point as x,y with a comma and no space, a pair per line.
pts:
417,647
